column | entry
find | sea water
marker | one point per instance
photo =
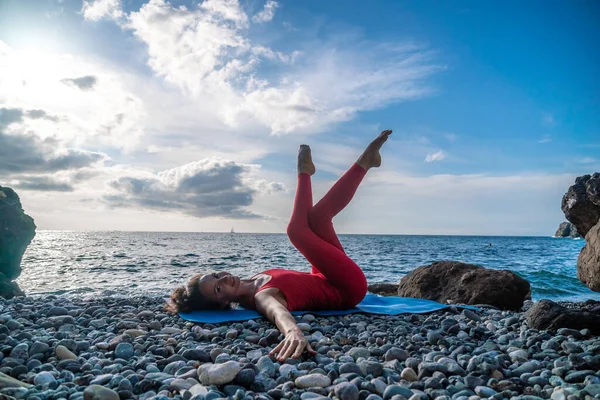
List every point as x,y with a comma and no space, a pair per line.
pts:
134,263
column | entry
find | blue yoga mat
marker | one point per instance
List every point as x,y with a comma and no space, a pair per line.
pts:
371,304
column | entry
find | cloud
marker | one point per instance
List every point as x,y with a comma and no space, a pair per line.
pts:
206,51
23,151
41,184
103,112
84,83
545,139
205,188
95,10
437,156
267,13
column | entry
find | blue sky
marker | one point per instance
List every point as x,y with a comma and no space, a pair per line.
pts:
179,115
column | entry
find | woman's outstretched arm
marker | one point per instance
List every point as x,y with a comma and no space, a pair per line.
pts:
294,343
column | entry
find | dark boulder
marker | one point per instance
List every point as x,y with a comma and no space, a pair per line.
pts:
17,229
457,282
567,229
550,316
588,263
581,203
383,289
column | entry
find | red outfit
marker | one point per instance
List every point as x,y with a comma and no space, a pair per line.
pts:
335,282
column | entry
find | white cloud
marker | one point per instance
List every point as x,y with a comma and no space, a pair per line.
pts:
95,10
437,156
207,53
93,103
545,139
205,188
267,13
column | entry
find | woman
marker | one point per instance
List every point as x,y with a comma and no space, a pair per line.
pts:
335,282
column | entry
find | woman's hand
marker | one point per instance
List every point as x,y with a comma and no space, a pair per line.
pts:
292,346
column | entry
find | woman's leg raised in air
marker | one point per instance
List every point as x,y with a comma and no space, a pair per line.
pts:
337,198
333,263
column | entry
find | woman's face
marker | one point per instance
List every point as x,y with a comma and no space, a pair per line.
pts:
220,287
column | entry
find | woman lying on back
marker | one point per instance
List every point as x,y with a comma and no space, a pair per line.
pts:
335,281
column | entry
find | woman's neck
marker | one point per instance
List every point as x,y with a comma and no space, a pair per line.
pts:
247,290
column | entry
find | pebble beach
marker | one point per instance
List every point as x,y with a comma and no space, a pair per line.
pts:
130,348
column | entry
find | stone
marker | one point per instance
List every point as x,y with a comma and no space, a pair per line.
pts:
218,374
43,378
124,350
39,348
518,355
97,392
396,354
266,366
62,353
458,282
312,380
394,390
550,316
409,374
588,262
485,392
346,391
8,382
567,229
581,203
383,289
17,229
357,352
20,351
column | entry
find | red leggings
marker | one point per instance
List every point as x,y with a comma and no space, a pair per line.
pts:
311,231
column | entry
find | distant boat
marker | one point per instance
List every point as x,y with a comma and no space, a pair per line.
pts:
232,231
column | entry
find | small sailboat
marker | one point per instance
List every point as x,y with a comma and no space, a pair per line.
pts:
232,231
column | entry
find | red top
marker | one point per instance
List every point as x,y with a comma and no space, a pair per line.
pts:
304,291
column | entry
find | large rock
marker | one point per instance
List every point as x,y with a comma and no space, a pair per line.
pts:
457,282
17,229
567,229
547,315
581,203
383,289
588,263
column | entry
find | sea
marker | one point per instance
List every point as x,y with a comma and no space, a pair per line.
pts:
87,264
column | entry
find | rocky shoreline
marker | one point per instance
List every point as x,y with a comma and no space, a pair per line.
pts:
129,348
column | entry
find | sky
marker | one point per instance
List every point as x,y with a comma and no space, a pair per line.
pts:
176,115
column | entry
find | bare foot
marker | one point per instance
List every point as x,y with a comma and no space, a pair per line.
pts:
371,158
305,164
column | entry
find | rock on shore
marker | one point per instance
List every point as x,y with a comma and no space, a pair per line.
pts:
129,348
17,229
581,205
456,282
548,315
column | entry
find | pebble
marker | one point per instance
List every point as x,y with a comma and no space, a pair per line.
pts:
62,353
44,378
346,391
97,392
471,315
394,390
312,380
218,374
135,350
409,374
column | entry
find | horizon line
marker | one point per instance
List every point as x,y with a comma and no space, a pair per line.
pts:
283,233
